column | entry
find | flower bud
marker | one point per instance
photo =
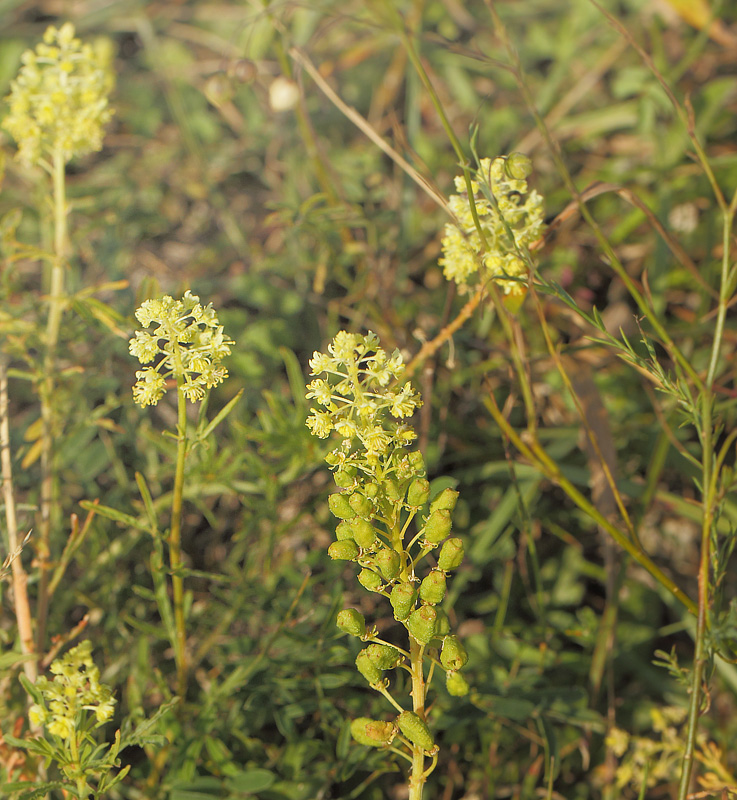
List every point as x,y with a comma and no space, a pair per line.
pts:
518,166
453,655
442,625
361,505
432,588
367,668
340,506
415,729
372,732
344,531
363,532
446,499
437,526
402,599
389,563
418,492
345,477
456,684
346,550
351,621
451,555
383,656
421,624
370,580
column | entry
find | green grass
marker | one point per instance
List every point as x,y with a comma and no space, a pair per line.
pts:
295,225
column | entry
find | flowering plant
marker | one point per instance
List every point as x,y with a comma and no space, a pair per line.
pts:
383,488
59,100
509,217
69,707
189,343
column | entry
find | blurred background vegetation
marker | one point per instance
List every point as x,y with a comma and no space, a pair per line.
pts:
228,171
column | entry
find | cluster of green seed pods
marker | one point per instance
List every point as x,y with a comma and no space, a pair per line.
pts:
362,536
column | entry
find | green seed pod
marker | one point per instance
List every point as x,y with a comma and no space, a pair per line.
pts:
389,563
416,461
415,729
361,505
351,621
456,684
344,531
345,550
371,490
367,668
438,525
453,655
402,599
421,624
442,626
518,166
372,732
391,489
418,492
383,656
370,580
446,499
363,531
340,506
432,588
451,555
345,478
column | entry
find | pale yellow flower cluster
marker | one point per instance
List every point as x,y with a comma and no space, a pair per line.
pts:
75,687
59,101
357,404
510,217
188,342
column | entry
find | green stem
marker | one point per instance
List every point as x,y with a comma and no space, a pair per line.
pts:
417,775
454,141
175,547
710,483
53,325
79,778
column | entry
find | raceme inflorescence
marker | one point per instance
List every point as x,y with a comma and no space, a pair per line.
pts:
510,217
74,689
187,343
59,101
383,487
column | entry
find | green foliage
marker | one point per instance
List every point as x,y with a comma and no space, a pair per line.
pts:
227,170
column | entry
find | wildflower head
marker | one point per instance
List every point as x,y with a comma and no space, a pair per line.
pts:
74,688
59,100
186,343
357,402
510,217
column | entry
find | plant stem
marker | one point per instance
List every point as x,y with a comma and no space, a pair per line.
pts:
20,579
417,775
53,325
175,547
710,486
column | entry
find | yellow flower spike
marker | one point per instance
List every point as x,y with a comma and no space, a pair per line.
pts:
511,219
59,100
76,685
187,343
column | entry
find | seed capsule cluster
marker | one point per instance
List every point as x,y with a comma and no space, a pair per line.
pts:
387,522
